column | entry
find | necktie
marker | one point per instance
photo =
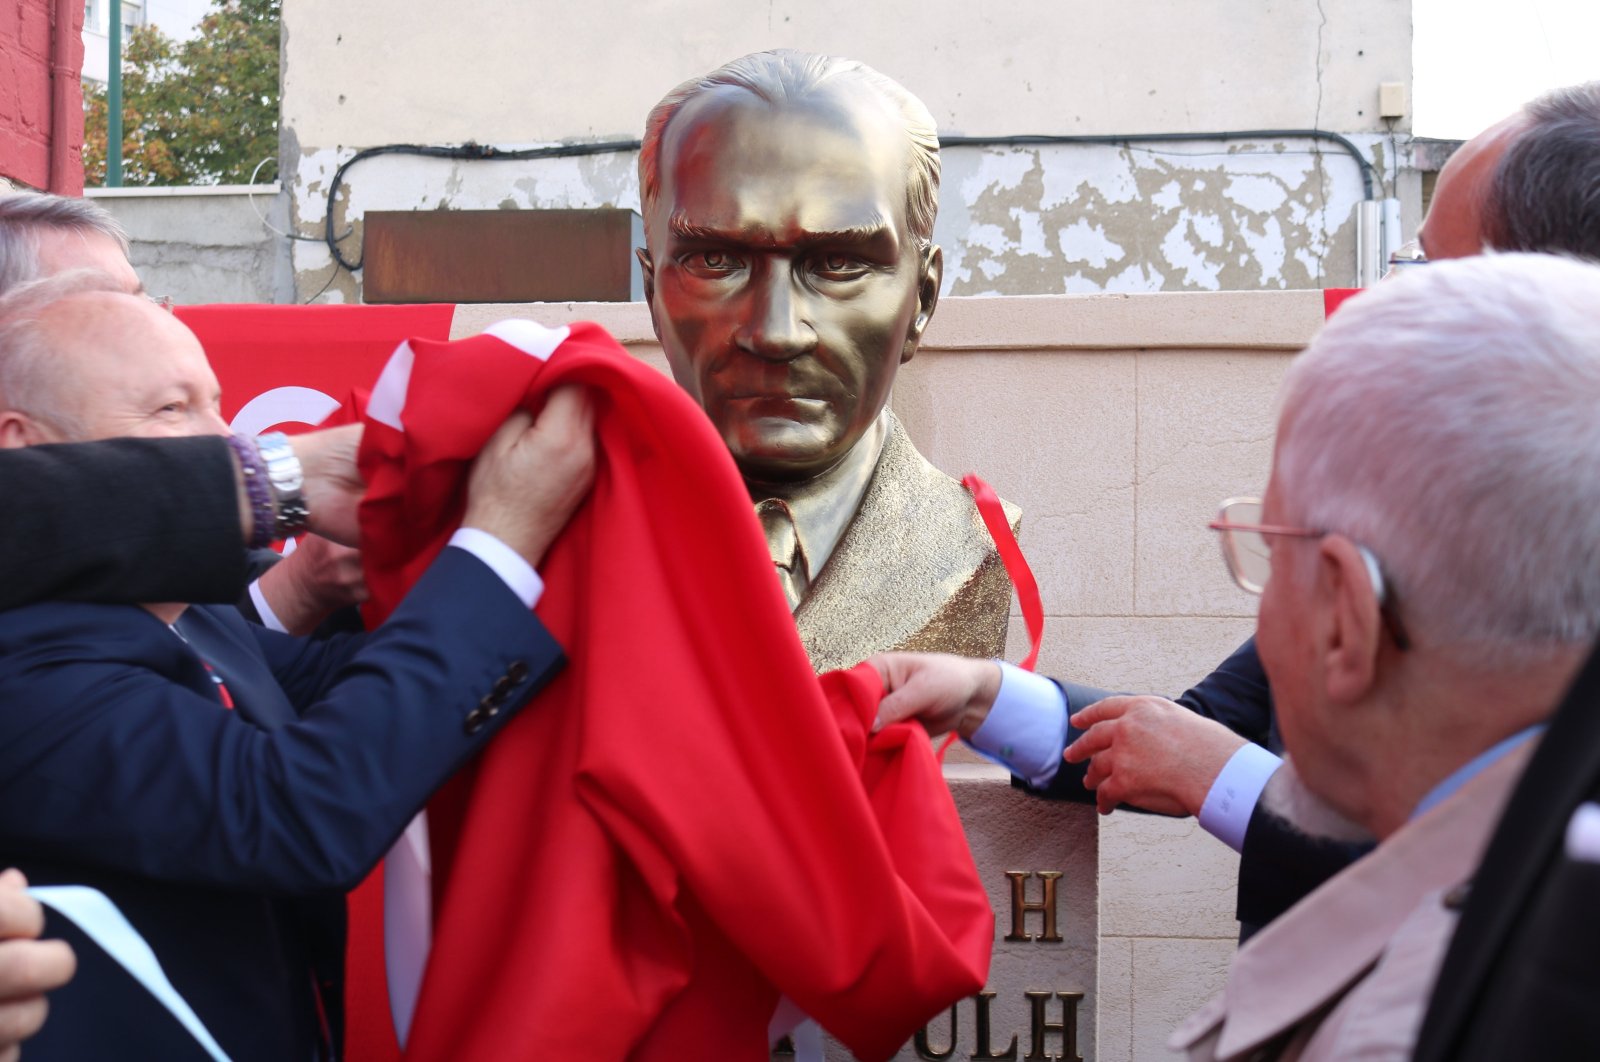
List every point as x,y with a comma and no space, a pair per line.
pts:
783,542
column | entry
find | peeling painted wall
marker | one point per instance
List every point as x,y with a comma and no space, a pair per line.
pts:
1227,216
1057,219
1201,216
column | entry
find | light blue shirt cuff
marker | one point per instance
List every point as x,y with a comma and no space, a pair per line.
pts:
269,618
504,561
1231,801
1026,729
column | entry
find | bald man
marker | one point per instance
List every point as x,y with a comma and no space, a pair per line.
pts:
1526,183
222,783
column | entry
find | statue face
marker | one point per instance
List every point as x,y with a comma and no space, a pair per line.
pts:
782,279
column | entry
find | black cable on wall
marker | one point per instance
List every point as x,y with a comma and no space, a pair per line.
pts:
487,152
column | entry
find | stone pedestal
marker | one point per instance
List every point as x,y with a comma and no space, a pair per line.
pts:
1039,861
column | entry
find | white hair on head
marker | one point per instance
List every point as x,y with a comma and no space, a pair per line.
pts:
23,215
30,377
1449,420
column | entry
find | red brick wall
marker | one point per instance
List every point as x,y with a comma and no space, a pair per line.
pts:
25,40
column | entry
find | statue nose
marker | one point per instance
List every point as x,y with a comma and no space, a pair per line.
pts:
776,327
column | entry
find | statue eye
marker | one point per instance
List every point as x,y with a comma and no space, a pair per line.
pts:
712,264
839,267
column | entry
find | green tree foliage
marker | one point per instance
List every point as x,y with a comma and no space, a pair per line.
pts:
201,112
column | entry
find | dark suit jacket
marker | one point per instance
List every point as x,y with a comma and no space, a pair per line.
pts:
1522,974
225,835
120,520
1279,865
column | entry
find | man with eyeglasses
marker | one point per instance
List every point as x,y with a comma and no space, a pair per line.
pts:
1524,184
1425,553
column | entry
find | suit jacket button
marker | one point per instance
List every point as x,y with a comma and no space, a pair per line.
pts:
517,672
475,720
501,689
490,706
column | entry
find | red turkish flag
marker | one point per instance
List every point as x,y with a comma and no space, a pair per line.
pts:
686,823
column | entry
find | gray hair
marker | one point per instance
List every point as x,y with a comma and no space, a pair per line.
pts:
781,75
30,367
1448,421
1545,193
23,214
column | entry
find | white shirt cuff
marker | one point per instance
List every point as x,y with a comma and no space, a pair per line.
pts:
504,561
269,618
1026,729
1226,812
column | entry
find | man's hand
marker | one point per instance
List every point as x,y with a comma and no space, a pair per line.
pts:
28,967
333,486
313,581
940,691
1151,753
533,474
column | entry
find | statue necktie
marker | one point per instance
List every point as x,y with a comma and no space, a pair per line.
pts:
783,541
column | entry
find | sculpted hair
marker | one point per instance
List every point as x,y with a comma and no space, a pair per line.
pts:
23,214
1545,194
781,75
1447,421
29,370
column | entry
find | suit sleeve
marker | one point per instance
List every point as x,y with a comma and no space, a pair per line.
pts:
110,761
1235,695
1280,866
123,520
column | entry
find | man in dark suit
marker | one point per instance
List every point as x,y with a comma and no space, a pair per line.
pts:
1523,184
129,520
221,783
1520,977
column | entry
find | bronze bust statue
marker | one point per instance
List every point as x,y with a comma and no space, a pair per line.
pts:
790,269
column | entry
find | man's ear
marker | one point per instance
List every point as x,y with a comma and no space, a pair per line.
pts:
932,273
17,430
1353,631
647,275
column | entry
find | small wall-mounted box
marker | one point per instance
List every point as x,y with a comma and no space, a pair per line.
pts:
1392,99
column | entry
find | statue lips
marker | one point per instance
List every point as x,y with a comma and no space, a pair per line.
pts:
808,403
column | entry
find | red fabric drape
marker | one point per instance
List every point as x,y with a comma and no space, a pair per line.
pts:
685,823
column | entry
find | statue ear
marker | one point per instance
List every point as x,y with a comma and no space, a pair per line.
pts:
647,274
931,274
647,270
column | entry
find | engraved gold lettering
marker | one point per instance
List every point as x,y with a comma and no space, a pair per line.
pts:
922,1043
1067,1027
984,1051
1021,905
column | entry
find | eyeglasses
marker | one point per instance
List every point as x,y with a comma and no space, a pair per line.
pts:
1406,255
1249,559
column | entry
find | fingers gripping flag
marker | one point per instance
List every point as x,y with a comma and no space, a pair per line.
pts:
687,822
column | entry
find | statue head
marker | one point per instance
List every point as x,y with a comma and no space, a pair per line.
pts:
789,264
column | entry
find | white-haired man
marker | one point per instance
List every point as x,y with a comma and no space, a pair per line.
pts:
41,235
1426,556
45,235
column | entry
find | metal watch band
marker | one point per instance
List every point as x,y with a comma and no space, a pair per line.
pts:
287,482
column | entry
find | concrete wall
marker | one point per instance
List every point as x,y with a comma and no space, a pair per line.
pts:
206,244
1118,422
1264,213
